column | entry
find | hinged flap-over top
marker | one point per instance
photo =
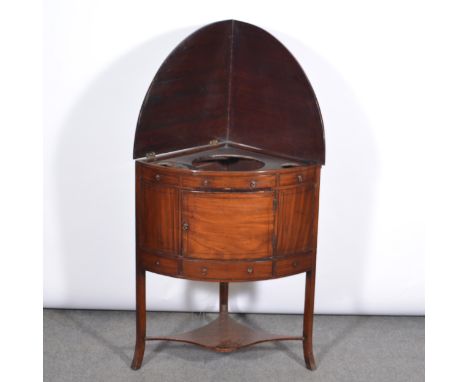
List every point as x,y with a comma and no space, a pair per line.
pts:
231,82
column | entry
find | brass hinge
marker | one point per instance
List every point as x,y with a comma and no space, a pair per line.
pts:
151,155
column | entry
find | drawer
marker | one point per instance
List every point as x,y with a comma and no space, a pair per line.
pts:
229,182
227,270
307,174
156,176
160,264
293,264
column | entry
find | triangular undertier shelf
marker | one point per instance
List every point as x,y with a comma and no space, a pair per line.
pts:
225,335
231,82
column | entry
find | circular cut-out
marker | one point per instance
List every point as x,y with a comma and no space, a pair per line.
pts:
166,164
227,163
173,164
289,165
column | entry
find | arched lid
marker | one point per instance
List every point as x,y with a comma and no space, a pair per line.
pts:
234,83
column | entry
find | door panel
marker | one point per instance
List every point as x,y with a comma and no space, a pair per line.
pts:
219,225
295,220
158,213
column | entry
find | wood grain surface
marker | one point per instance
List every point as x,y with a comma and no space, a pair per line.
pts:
230,144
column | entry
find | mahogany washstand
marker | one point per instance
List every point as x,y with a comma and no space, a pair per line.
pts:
229,145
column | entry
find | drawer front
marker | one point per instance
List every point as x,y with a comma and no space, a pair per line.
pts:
293,264
227,270
159,264
156,176
298,177
229,182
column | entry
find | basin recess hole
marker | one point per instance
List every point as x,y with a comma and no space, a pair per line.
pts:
289,165
227,163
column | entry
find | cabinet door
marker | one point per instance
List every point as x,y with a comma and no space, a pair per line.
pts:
219,225
158,218
295,220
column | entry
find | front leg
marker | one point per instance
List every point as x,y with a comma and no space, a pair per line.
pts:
140,318
308,320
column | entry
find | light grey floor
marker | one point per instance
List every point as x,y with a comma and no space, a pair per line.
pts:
82,345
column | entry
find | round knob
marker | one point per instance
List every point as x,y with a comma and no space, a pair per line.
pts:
185,226
295,264
204,270
249,270
253,184
299,178
158,177
206,182
157,262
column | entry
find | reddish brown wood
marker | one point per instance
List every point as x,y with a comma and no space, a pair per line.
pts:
294,227
222,270
290,265
164,265
225,335
141,317
227,225
223,297
298,176
310,288
158,178
230,192
207,181
308,320
159,218
224,226
140,284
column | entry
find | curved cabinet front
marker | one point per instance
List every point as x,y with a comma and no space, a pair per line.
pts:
227,225
215,227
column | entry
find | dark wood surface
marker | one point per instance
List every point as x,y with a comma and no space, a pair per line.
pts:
187,101
231,82
273,106
230,144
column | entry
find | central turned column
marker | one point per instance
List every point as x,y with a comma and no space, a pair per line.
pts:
223,297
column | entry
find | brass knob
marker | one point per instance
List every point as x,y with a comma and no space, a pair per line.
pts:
158,177
249,270
185,226
295,264
204,270
299,178
206,182
253,184
157,262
